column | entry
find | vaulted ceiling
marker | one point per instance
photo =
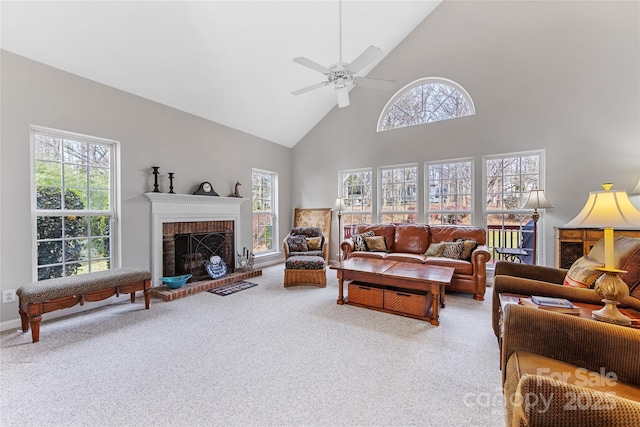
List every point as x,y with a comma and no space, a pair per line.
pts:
226,61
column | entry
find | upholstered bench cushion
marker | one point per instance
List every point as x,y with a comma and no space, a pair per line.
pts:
305,263
60,287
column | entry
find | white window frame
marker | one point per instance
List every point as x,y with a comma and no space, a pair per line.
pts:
381,196
427,190
349,213
115,251
523,194
424,82
273,213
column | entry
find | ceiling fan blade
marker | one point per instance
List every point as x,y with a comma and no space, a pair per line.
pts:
309,88
311,64
365,58
373,83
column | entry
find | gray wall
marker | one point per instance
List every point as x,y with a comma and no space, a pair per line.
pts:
194,149
558,76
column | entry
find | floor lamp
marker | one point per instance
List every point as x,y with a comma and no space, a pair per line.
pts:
339,207
537,200
608,210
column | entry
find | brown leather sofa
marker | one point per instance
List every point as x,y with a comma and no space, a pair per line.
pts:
409,242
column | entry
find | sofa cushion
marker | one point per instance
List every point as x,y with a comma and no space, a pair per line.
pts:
449,233
626,254
468,246
452,250
435,249
386,230
583,273
411,238
375,243
405,257
366,254
358,240
460,266
306,231
297,243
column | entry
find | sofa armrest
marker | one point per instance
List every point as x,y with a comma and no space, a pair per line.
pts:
544,401
534,272
347,248
285,248
586,343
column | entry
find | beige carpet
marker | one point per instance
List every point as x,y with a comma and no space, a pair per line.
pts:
266,356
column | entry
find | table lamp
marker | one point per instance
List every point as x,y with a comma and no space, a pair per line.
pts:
608,210
339,207
537,200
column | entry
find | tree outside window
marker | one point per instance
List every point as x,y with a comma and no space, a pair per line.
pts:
74,206
450,192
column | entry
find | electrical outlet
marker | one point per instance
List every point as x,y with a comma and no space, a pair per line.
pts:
8,296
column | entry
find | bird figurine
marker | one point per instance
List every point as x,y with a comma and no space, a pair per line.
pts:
236,191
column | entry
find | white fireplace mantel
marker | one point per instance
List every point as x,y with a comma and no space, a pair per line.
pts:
167,207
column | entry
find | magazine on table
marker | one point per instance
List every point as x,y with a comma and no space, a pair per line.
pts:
566,310
552,302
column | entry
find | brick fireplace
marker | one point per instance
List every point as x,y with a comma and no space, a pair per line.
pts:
192,225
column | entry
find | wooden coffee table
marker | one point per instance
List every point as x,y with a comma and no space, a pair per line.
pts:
395,285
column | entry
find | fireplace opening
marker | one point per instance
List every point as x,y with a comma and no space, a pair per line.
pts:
187,246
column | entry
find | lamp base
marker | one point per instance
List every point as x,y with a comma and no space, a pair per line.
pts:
610,314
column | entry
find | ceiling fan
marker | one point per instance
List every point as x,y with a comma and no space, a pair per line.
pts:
342,74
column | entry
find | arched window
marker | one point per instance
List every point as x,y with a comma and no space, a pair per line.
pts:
424,101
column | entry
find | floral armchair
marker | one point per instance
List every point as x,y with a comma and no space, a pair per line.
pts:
305,241
306,257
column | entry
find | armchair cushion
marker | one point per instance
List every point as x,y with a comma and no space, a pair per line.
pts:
297,243
314,243
583,273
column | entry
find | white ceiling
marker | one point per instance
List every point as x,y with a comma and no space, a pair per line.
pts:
226,61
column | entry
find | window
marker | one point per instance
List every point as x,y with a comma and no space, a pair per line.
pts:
263,189
356,191
75,202
424,101
398,193
509,178
450,192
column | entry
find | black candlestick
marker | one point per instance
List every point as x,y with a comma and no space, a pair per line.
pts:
155,183
171,183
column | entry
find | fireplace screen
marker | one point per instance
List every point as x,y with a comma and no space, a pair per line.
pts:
186,253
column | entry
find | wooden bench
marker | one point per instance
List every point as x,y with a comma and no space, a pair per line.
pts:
49,295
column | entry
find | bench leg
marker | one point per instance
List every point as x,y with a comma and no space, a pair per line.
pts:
147,294
34,322
24,320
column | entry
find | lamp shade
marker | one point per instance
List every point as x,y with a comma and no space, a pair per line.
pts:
607,209
537,200
339,205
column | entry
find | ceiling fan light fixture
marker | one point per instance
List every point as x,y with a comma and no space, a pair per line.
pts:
343,96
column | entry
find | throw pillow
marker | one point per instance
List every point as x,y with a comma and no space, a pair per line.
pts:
583,273
468,246
358,240
435,249
452,250
297,243
375,243
314,243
